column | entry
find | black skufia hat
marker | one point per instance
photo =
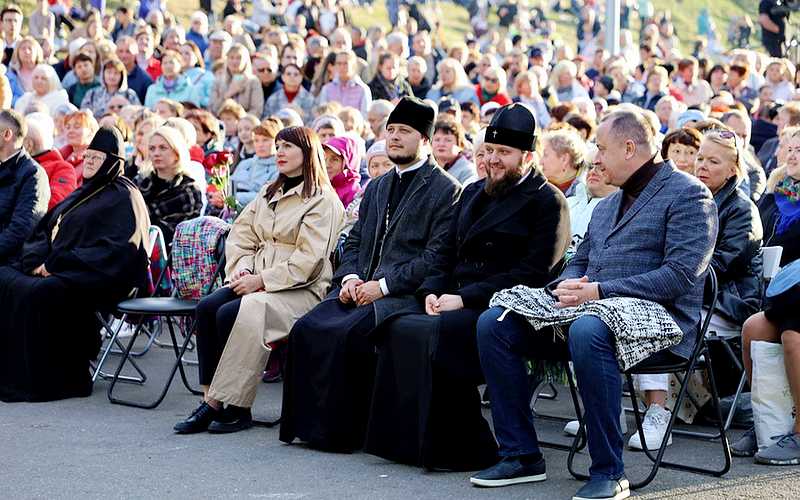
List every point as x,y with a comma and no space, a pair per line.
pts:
109,141
513,125
415,113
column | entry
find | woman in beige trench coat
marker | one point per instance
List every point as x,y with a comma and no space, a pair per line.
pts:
278,269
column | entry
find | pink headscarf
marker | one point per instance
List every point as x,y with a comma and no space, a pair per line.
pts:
347,182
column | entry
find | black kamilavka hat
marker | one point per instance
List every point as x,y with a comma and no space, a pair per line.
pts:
415,113
513,125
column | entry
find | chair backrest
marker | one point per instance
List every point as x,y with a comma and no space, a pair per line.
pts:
159,282
772,261
713,287
195,256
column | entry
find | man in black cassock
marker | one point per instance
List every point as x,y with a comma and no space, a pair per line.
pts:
511,228
402,229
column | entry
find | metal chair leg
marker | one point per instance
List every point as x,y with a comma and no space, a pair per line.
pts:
114,340
579,442
178,355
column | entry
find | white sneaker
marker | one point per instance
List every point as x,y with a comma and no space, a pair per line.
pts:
654,427
571,429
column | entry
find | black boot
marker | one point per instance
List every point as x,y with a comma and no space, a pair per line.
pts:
198,421
232,419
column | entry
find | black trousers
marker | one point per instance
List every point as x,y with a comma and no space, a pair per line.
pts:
215,317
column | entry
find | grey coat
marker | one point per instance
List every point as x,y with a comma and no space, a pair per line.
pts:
658,251
414,241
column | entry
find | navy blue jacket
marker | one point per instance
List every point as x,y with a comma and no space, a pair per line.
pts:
139,81
24,194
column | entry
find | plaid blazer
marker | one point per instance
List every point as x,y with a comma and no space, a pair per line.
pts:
658,251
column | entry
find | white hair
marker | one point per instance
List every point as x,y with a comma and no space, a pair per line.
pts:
40,131
52,77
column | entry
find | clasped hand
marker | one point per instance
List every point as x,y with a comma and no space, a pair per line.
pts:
437,305
359,292
41,271
245,282
574,292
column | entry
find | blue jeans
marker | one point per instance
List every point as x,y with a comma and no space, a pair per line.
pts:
503,347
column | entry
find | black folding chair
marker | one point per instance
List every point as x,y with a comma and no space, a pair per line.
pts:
169,310
699,360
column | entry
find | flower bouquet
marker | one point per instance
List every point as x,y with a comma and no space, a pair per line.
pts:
222,202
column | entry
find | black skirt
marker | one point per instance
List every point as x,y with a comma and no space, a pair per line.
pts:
426,407
328,378
782,310
48,335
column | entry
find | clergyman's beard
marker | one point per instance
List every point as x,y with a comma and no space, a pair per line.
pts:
402,160
499,188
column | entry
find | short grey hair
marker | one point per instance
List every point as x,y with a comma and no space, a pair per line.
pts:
381,106
16,123
633,126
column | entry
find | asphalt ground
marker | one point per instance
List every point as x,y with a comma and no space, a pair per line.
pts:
88,448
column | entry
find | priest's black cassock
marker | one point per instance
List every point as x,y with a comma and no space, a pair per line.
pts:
404,220
425,407
93,246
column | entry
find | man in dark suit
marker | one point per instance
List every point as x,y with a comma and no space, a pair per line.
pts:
401,232
652,240
510,228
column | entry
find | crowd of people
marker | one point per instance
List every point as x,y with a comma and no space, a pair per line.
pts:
399,207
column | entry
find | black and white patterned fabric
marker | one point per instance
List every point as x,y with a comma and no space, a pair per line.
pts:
641,328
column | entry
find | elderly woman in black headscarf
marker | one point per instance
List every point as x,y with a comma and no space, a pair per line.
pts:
84,256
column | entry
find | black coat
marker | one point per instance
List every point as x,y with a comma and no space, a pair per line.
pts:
789,240
519,240
737,256
415,238
380,90
24,194
170,203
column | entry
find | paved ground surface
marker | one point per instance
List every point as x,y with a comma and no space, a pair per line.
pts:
89,448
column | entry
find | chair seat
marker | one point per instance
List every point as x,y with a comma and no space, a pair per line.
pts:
158,306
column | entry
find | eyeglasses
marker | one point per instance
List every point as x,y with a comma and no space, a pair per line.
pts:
489,79
263,70
94,157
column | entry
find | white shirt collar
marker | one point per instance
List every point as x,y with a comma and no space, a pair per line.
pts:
413,167
525,176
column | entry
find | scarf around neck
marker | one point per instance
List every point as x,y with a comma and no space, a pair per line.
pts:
787,198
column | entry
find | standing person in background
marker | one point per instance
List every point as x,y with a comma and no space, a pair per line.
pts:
773,26
138,79
11,18
41,20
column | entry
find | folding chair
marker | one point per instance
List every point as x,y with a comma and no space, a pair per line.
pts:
772,259
167,309
155,250
699,360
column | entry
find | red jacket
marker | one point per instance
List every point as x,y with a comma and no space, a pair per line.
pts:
499,98
61,175
76,160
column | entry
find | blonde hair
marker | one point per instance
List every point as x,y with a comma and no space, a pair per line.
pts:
779,173
245,55
461,78
731,144
567,141
174,138
38,53
562,67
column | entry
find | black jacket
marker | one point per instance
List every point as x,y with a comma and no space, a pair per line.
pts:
789,240
648,101
519,240
170,203
737,254
416,235
422,89
380,90
24,194
762,132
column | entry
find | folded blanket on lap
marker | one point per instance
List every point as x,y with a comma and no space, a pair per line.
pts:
641,327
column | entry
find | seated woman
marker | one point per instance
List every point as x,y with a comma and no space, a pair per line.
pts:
142,130
563,159
171,194
253,173
449,149
779,322
278,269
80,127
113,82
342,163
85,255
681,147
736,261
585,197
46,89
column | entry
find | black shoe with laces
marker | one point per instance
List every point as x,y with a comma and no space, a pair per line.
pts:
232,419
198,421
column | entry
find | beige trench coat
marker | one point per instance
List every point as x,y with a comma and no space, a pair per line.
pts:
288,241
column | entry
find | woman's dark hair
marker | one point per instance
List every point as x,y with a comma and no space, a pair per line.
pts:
717,67
685,136
291,65
207,122
197,54
560,111
581,123
314,173
452,127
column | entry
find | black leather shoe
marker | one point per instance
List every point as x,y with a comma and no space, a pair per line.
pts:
510,470
232,419
198,421
599,489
